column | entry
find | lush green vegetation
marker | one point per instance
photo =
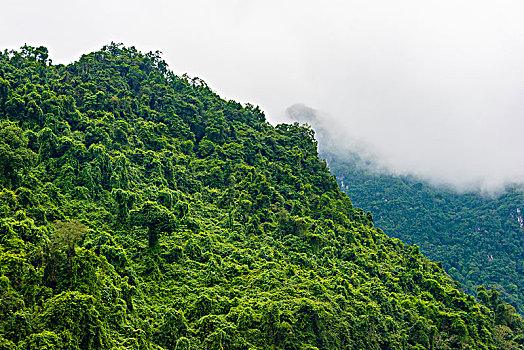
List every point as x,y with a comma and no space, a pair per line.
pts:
139,210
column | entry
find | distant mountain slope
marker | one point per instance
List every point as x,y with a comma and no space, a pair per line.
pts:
480,240
139,210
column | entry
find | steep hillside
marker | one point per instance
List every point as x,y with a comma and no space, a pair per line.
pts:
139,210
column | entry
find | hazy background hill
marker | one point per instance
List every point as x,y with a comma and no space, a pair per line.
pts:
478,236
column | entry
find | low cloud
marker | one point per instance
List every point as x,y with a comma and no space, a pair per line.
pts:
406,155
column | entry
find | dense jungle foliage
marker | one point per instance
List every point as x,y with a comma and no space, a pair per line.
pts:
139,210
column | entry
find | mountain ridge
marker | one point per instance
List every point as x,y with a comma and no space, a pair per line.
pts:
142,211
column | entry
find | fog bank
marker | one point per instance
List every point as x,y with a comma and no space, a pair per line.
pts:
432,87
404,154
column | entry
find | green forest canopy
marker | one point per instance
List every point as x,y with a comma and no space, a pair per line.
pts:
139,210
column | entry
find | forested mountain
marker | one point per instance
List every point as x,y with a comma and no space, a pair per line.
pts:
478,237
139,210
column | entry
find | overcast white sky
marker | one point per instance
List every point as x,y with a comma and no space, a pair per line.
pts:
434,87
